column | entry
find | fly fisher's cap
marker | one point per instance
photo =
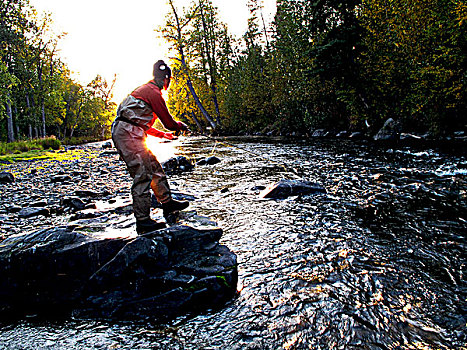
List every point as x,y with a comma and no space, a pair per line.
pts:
161,70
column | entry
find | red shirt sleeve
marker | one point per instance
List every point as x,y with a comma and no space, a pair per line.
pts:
155,133
151,94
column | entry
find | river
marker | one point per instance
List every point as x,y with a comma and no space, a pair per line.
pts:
378,262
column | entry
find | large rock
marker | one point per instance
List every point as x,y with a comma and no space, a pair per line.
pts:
286,188
177,165
6,177
389,131
153,276
30,212
209,161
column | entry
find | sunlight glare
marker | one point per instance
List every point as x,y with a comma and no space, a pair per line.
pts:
165,94
161,148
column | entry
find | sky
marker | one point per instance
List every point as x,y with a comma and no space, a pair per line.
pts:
108,37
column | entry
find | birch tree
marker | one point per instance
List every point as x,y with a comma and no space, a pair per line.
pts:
174,33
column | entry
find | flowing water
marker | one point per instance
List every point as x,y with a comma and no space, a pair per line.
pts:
378,262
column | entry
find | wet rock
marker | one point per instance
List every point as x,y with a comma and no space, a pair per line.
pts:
410,137
6,177
109,152
107,145
177,165
357,135
209,161
88,274
285,188
319,133
14,209
32,212
60,178
342,134
38,204
258,188
74,203
389,131
90,193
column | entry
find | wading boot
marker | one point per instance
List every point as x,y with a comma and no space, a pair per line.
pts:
173,205
148,225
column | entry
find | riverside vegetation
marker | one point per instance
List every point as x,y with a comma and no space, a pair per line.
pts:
334,65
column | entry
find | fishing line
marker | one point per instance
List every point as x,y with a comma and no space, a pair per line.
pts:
225,143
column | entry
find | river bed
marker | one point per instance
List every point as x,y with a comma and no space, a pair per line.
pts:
378,262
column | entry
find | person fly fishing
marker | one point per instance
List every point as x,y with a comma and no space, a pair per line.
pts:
135,118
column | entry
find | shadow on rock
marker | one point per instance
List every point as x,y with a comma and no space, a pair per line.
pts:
60,271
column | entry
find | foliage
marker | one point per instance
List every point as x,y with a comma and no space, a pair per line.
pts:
321,64
332,64
48,143
37,95
415,61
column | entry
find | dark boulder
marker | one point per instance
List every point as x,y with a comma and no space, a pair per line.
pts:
6,177
74,203
30,212
109,152
411,137
177,165
342,134
209,161
107,145
61,271
61,178
357,135
286,188
389,131
91,193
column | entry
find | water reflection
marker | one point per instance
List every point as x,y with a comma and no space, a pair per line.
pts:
163,149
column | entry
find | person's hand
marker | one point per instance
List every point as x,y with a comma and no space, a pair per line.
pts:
169,136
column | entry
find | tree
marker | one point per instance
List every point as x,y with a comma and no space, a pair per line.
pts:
13,26
211,48
416,73
173,33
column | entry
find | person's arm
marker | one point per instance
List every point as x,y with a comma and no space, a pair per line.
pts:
160,134
159,107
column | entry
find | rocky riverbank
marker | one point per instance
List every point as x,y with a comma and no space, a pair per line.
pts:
69,246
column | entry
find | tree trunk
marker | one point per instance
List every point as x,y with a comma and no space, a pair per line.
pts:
265,31
16,124
198,124
211,64
185,67
43,118
199,104
78,115
9,118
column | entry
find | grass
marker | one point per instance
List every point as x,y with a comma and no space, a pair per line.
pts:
32,149
38,149
25,146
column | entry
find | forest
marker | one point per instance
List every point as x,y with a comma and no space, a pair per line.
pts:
335,65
